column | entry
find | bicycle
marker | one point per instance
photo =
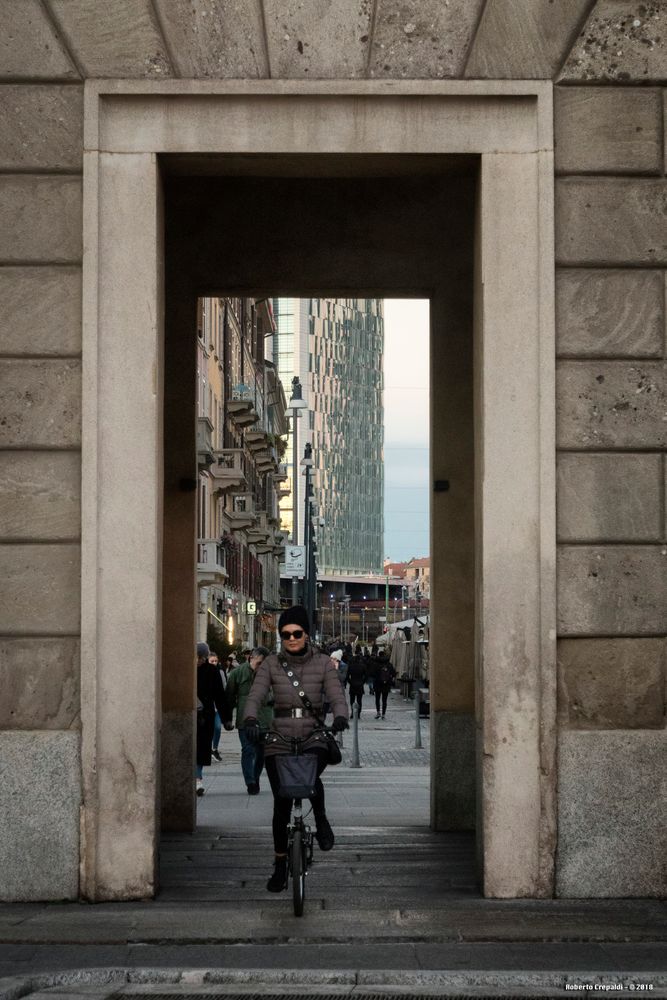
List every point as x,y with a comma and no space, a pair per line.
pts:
297,771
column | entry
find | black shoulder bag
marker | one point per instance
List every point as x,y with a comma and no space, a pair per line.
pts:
326,741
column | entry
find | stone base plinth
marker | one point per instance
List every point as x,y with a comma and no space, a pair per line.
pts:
452,771
612,791
40,796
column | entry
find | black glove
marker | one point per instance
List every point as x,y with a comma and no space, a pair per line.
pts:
252,730
339,724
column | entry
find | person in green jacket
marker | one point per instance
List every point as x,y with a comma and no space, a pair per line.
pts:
239,682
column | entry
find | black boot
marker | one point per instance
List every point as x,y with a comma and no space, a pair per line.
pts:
324,835
278,880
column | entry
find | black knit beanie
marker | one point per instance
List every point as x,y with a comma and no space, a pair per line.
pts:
296,615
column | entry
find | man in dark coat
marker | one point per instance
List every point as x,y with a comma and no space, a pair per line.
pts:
356,678
384,681
211,698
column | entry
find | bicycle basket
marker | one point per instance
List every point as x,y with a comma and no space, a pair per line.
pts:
297,775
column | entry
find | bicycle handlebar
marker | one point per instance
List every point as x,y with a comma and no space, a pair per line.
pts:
295,743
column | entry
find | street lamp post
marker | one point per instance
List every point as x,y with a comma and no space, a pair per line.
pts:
296,404
308,539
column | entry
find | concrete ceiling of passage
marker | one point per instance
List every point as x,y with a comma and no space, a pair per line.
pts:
407,234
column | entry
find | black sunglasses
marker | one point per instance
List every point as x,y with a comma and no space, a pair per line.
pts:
292,635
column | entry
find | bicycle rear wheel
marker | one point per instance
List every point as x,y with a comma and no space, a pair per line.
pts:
298,865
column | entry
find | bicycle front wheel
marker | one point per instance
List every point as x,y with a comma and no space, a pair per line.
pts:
298,865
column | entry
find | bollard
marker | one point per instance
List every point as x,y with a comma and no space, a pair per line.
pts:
355,736
418,731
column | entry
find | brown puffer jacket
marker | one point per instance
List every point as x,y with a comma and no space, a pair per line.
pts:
319,679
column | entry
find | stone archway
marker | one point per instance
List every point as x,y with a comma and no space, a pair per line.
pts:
128,125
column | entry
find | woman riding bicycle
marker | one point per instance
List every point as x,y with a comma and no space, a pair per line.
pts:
318,679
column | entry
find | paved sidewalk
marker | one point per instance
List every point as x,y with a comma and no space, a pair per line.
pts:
392,898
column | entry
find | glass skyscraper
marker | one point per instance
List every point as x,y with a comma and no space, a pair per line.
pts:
335,346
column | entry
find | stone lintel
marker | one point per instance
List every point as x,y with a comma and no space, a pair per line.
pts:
524,38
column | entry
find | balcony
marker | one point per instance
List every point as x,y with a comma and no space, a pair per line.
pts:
228,469
204,443
264,549
257,441
265,464
260,533
241,513
242,412
211,562
281,475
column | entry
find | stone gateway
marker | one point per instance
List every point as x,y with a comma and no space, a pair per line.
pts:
508,159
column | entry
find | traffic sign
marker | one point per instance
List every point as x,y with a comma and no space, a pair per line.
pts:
295,560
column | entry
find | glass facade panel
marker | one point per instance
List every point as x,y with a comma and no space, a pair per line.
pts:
336,346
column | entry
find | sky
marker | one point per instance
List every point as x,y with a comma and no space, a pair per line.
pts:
406,430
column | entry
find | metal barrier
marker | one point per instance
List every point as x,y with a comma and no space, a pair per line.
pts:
418,730
355,737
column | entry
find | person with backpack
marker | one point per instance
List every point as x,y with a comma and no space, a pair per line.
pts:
384,681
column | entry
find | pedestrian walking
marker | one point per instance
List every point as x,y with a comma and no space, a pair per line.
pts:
314,674
238,688
384,681
217,722
356,678
341,665
210,698
371,663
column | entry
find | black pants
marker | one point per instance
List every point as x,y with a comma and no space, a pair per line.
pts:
356,695
282,808
382,692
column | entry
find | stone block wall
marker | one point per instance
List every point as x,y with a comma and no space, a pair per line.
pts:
41,154
607,60
611,247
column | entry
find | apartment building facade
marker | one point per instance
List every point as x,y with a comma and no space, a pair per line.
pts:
240,423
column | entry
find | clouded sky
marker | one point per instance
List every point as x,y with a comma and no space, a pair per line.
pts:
406,435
